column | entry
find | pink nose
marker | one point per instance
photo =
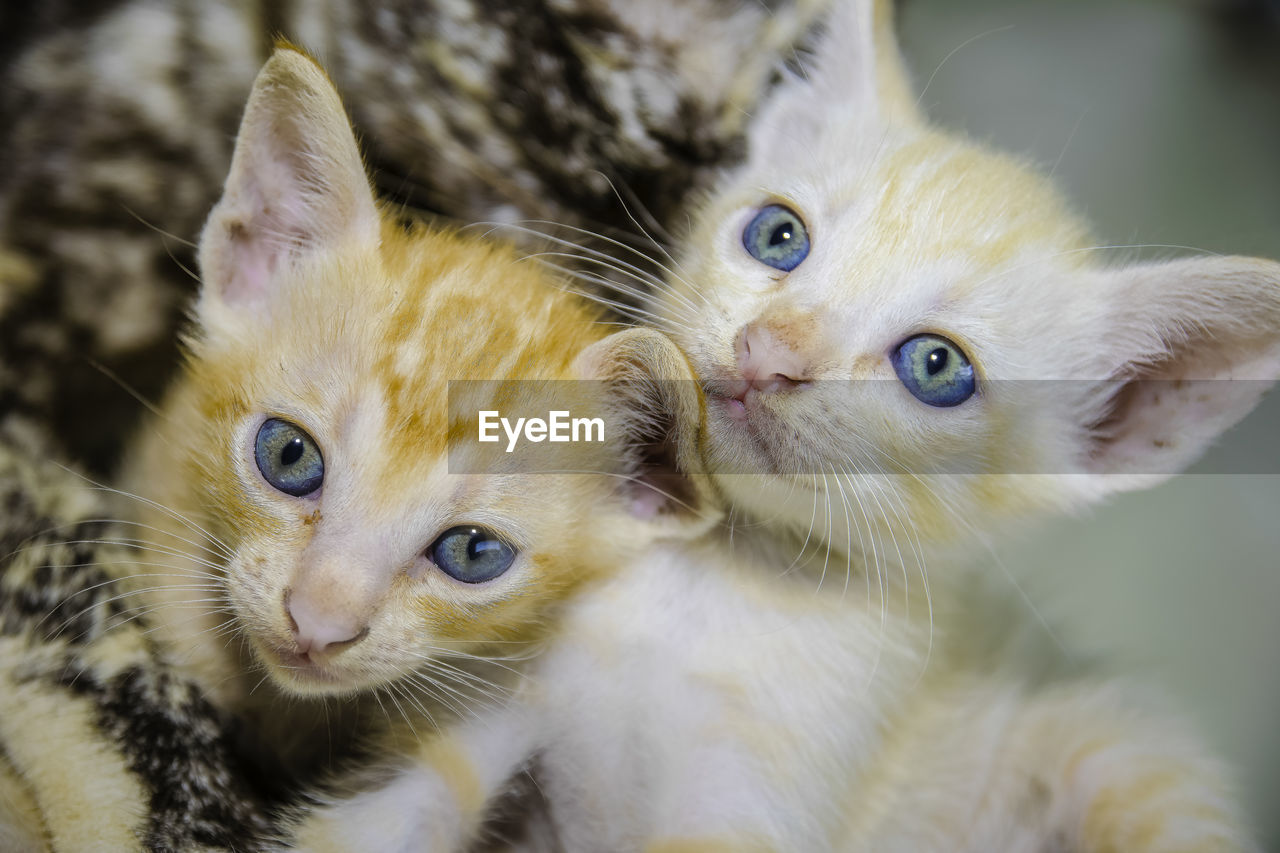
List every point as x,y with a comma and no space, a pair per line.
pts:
767,364
316,630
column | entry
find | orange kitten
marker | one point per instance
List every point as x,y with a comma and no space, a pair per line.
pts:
301,478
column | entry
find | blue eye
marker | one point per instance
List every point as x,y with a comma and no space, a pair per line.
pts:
934,370
288,458
471,554
776,236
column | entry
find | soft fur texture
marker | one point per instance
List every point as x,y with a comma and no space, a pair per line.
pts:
916,230
319,310
825,676
800,682
117,124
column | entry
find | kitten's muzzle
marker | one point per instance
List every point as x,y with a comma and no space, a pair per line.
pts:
767,363
317,631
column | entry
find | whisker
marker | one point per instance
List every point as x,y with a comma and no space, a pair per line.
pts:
176,516
686,315
671,273
653,222
956,50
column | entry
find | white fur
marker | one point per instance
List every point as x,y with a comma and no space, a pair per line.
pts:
732,693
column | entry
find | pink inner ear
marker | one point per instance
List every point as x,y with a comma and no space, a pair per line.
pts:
1165,418
253,261
280,202
1153,423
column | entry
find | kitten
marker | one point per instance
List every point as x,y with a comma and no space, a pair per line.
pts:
801,682
816,296
152,91
330,558
116,120
813,293
325,328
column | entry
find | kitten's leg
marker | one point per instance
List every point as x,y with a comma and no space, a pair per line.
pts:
1095,773
684,786
434,796
974,767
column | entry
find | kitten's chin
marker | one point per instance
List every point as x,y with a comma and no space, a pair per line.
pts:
746,438
735,445
306,675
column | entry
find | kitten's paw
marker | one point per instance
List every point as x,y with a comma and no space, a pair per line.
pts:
1123,780
413,812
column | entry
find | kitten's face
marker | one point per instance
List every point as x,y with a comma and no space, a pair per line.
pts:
324,448
919,248
314,428
872,297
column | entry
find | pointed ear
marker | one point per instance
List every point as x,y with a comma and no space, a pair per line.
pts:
856,69
296,186
1191,347
652,392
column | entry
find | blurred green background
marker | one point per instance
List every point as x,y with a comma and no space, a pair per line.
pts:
1161,120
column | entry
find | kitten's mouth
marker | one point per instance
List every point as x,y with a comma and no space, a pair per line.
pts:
301,670
749,436
734,407
743,426
735,400
745,406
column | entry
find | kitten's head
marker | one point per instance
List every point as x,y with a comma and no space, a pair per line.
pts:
312,424
871,296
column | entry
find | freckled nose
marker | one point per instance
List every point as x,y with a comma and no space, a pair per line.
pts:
768,364
317,630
